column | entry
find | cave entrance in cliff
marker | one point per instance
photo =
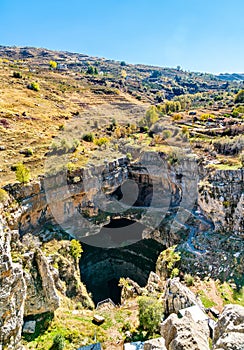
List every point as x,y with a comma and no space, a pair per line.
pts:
101,268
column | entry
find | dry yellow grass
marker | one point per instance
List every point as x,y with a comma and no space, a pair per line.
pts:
32,119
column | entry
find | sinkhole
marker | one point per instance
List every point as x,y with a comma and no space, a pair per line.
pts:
101,267
117,233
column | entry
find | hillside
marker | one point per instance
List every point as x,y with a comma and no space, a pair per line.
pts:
121,204
69,93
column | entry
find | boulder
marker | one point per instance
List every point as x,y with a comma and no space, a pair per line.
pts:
185,334
229,330
98,319
29,327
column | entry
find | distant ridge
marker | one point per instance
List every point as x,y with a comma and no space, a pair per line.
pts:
231,77
28,52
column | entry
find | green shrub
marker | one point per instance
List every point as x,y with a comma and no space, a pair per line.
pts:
34,86
239,98
89,137
189,280
175,272
150,314
167,262
75,249
91,70
22,173
53,64
237,111
176,117
206,116
170,107
166,134
28,152
17,75
3,195
58,342
75,144
101,141
151,116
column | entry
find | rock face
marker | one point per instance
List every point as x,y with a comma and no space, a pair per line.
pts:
81,204
67,277
229,331
184,333
41,293
221,198
177,297
154,283
12,296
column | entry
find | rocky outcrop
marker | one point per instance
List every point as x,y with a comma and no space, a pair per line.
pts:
177,297
155,344
41,293
12,296
130,289
229,330
221,199
154,283
184,333
66,275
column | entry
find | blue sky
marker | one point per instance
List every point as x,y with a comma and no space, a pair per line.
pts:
199,35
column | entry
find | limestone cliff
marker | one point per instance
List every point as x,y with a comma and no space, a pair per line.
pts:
201,210
12,295
221,197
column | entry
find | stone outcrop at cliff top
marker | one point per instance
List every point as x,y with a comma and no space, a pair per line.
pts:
12,295
177,297
184,333
229,331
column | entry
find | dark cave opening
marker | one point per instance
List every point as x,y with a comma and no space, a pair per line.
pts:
101,268
119,232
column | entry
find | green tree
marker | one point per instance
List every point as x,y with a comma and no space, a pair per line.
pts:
167,263
151,116
150,314
22,173
239,98
75,249
53,64
90,70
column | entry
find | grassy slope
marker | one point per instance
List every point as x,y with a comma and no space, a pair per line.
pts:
61,95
